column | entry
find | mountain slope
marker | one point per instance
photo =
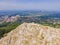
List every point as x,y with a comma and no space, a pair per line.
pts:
32,34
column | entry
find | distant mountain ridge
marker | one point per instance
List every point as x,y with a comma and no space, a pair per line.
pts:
44,15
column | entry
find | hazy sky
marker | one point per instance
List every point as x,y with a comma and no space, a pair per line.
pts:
30,4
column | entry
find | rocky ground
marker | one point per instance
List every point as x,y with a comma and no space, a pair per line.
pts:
32,34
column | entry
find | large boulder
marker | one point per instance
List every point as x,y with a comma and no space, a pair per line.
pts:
32,34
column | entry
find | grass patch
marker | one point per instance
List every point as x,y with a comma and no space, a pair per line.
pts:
7,27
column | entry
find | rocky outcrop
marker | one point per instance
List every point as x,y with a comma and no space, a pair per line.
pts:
32,34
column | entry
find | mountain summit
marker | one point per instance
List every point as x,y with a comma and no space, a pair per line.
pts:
32,34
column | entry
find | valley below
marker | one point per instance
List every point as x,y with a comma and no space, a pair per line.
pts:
29,28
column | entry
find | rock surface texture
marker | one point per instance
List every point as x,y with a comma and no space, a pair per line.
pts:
32,34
